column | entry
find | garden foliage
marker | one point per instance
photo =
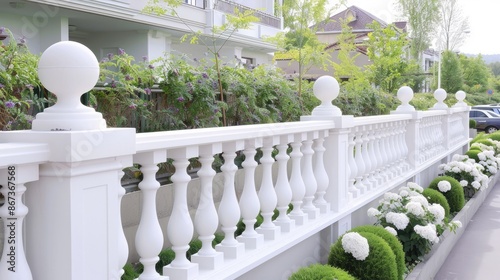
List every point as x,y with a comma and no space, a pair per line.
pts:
455,196
434,196
379,265
321,272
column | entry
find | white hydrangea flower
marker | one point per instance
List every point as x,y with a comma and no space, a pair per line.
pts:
388,196
457,223
428,232
373,212
444,186
415,187
391,230
438,211
404,193
464,183
400,220
415,208
455,170
420,199
356,245
476,185
481,156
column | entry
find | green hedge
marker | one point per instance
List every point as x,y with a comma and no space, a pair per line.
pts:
379,265
455,196
392,241
321,272
435,196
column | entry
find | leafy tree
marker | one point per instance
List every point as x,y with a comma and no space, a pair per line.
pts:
451,72
300,43
386,51
475,73
347,55
495,68
423,16
453,25
215,40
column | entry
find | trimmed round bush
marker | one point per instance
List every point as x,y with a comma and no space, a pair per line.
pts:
473,153
320,272
455,196
486,142
379,265
392,241
494,136
434,196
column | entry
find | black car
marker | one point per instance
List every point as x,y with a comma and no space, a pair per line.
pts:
488,121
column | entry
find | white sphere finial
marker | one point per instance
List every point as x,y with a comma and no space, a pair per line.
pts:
460,96
405,95
326,89
68,70
440,95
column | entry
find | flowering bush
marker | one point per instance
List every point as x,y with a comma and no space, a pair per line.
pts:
356,245
416,222
487,159
380,264
466,170
455,195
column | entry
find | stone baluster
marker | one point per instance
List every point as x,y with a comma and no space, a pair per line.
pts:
283,189
13,263
378,154
149,237
180,227
397,148
249,200
229,210
367,179
296,182
404,147
360,184
310,182
267,194
354,192
206,220
375,178
388,150
122,241
320,173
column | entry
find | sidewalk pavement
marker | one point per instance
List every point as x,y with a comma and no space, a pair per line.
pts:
476,256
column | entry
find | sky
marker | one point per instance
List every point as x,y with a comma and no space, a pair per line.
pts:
484,36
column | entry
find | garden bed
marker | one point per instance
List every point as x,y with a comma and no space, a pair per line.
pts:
435,259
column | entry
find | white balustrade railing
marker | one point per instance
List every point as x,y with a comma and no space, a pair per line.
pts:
325,167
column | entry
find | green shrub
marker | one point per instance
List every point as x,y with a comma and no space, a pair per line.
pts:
166,257
320,272
130,273
472,123
379,265
435,196
486,142
473,154
455,196
392,241
494,136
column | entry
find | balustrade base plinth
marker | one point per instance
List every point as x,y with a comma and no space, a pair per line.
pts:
269,233
231,252
188,272
312,213
251,242
299,219
208,262
323,208
285,226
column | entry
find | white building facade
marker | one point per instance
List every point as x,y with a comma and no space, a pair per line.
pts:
106,26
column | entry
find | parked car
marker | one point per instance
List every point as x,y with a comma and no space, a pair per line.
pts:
492,107
488,121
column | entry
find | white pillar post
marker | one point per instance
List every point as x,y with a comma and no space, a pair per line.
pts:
73,222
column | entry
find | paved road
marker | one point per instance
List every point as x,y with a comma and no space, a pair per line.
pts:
477,254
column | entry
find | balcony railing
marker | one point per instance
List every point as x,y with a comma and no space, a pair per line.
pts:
328,166
264,18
